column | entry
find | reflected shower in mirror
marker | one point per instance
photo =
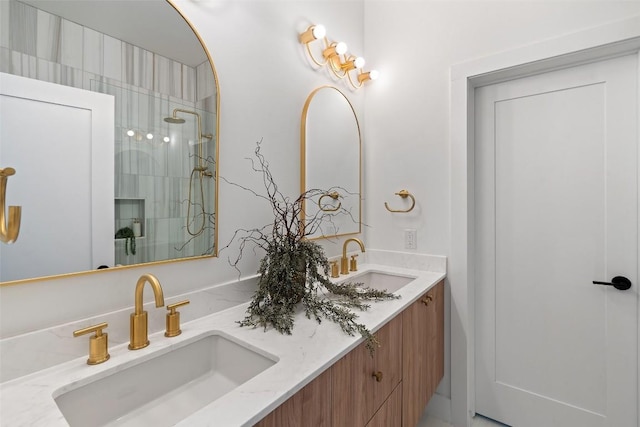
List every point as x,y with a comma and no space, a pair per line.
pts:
144,55
164,178
330,160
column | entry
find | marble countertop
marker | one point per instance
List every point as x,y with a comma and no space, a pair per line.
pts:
302,356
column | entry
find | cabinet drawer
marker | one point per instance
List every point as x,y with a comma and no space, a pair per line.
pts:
390,413
362,383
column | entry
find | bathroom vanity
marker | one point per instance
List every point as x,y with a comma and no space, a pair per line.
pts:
390,388
238,376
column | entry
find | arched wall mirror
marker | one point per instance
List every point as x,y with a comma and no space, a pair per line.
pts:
161,185
331,160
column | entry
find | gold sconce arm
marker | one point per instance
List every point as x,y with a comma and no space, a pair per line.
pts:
334,195
314,32
404,194
10,229
334,56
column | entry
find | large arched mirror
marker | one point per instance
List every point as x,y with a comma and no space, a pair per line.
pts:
330,160
157,201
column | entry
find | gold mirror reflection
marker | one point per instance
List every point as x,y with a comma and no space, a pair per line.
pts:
330,160
151,195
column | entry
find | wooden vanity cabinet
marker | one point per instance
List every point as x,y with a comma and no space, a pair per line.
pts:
390,413
423,353
311,406
390,389
362,383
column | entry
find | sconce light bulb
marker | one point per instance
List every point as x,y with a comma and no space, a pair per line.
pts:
359,62
166,139
369,75
149,135
319,31
130,132
341,48
312,33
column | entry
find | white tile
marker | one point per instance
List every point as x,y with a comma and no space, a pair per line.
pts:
188,83
48,35
23,65
48,71
22,28
112,58
4,24
93,51
71,44
71,76
205,82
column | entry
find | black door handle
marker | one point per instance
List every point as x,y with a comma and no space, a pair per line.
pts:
618,282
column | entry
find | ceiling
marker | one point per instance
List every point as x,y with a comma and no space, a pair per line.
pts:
151,24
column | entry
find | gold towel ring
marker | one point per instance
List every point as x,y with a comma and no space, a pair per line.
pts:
334,195
9,230
404,194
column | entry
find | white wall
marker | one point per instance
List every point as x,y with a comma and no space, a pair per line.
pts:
264,79
407,111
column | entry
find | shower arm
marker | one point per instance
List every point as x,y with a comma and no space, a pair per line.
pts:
200,135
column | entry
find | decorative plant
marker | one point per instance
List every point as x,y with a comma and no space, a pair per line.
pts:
127,234
295,270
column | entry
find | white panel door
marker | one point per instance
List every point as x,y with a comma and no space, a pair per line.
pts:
59,140
556,199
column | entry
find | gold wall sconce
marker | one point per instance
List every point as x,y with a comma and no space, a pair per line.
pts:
10,229
335,57
334,195
404,194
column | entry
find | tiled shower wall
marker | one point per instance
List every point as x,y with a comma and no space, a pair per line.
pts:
147,86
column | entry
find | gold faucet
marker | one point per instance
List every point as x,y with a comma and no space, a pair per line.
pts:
139,334
98,344
344,262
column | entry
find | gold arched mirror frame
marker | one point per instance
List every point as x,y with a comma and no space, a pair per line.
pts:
214,184
331,160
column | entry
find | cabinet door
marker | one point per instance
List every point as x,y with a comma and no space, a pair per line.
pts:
390,413
310,406
423,353
435,346
362,383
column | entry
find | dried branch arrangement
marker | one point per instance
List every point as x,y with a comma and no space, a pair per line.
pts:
294,270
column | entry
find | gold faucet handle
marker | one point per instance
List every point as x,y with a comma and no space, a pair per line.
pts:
334,269
173,319
98,344
353,264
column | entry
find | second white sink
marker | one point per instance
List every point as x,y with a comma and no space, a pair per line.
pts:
381,281
165,389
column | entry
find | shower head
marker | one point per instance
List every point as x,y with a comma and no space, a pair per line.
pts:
174,119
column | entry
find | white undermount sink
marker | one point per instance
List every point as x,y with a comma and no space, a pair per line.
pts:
165,389
381,281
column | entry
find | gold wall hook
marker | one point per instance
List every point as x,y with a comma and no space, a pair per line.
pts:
334,195
10,229
404,194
